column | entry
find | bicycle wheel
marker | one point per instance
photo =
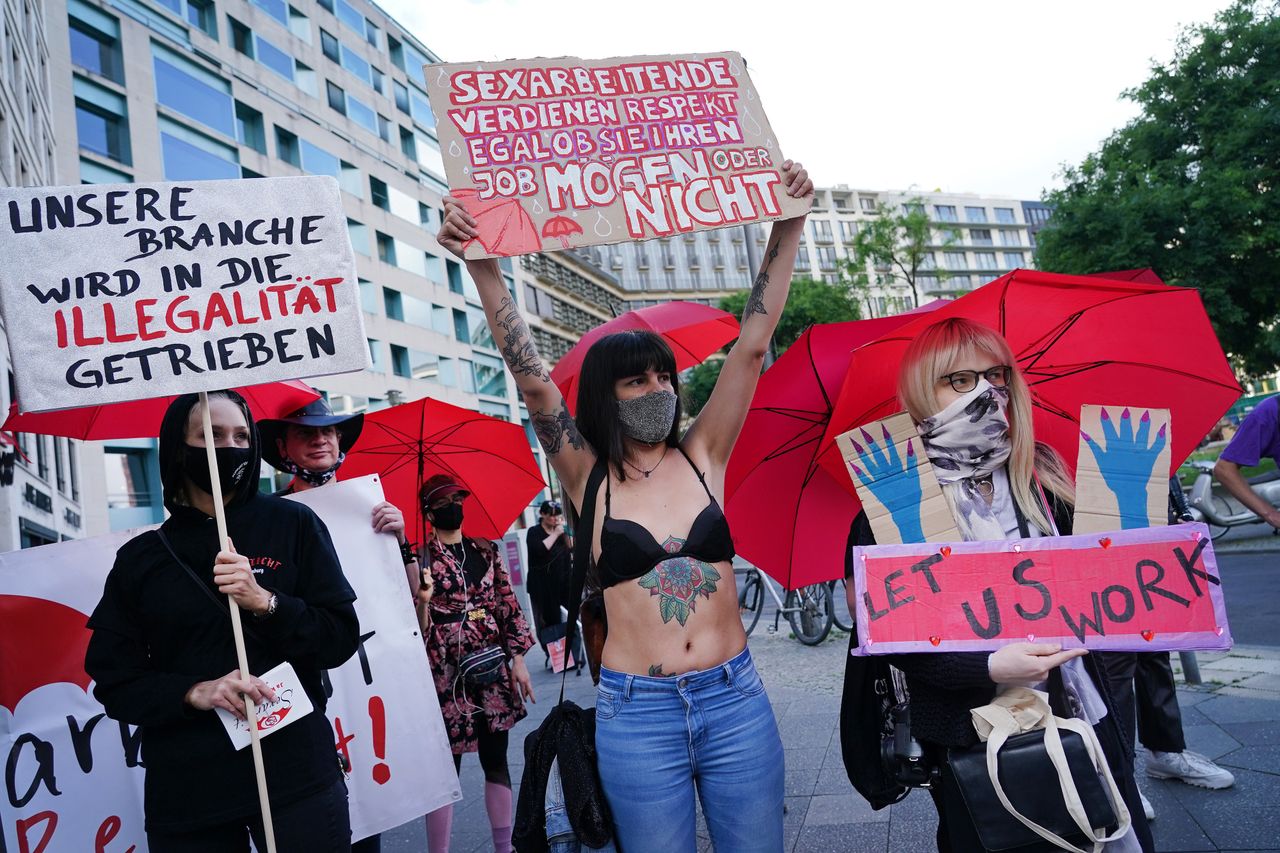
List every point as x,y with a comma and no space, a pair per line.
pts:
751,600
838,595
810,613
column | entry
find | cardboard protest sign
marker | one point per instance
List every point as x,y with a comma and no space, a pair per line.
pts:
74,779
1152,589
567,152
117,292
896,483
1122,473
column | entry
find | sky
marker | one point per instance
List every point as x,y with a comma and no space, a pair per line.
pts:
991,97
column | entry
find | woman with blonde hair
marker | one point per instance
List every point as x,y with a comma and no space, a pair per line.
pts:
960,383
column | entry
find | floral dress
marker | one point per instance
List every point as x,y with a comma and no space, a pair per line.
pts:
495,706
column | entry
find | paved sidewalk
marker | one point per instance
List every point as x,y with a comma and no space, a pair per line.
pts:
1234,718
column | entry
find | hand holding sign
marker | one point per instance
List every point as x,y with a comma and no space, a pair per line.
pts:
226,693
1127,462
895,483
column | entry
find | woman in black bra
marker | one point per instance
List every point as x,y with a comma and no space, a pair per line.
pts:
681,715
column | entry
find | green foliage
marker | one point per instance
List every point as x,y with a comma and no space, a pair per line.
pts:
810,301
895,243
1189,187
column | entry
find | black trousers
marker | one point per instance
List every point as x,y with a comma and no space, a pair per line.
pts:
1143,688
319,823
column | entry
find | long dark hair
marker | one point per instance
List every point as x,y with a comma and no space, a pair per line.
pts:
611,358
173,439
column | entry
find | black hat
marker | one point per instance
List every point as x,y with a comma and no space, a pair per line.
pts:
315,414
550,508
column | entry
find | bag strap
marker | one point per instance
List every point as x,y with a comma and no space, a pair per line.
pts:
581,558
223,606
1003,725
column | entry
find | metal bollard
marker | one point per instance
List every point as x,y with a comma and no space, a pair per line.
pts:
1190,668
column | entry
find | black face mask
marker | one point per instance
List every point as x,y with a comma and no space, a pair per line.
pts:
447,517
233,467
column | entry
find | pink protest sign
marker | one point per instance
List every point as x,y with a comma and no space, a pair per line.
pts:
1152,589
558,153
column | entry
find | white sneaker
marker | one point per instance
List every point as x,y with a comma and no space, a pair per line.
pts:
1147,809
1190,767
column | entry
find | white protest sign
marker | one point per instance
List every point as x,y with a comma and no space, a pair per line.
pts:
388,721
73,779
117,292
288,705
561,153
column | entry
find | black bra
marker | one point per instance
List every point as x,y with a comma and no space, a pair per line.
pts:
629,551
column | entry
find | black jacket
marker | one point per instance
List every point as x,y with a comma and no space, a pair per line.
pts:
568,735
156,634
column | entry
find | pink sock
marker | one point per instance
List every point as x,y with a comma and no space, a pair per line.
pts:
497,802
439,826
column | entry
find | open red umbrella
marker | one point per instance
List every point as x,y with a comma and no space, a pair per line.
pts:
774,466
141,418
1077,340
693,331
489,457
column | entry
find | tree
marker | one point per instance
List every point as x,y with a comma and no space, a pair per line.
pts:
897,244
810,301
1189,187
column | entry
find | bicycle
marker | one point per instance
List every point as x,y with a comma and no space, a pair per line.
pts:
838,588
808,609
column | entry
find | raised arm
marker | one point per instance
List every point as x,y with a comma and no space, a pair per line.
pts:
716,428
570,456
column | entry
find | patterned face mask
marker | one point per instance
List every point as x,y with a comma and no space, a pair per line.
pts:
649,417
970,437
314,478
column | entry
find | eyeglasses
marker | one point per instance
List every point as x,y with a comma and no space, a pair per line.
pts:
455,498
964,381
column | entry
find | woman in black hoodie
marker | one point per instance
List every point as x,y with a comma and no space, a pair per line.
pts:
162,655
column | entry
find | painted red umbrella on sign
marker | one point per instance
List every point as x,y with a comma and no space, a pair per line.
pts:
489,457
1077,340
43,642
561,227
141,418
774,467
503,225
693,332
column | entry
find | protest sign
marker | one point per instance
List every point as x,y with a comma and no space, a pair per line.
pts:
1122,472
558,153
130,291
73,778
1152,589
896,483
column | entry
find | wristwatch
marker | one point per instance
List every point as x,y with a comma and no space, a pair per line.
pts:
272,603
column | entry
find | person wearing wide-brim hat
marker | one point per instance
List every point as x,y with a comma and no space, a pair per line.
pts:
311,444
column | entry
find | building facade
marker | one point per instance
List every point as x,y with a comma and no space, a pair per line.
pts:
150,90
41,498
975,239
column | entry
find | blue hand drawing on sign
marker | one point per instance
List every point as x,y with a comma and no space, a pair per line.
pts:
894,483
1126,464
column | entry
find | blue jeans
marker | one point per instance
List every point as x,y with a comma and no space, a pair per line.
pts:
713,731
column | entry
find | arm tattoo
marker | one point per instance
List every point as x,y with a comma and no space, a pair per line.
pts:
517,346
553,428
755,302
655,671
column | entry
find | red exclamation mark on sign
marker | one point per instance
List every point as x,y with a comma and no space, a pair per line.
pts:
378,715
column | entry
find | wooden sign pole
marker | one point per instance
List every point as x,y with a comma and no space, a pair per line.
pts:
242,657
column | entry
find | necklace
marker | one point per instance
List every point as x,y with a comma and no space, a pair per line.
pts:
651,470
984,486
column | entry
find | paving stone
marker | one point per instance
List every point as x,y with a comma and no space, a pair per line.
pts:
842,839
1238,709
801,781
1264,759
1243,816
833,779
806,757
1254,734
1210,740
1174,829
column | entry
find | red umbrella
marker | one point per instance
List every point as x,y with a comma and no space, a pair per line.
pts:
693,331
774,465
562,227
489,457
503,225
141,418
1077,339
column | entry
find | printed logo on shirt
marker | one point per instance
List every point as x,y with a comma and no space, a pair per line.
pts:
261,564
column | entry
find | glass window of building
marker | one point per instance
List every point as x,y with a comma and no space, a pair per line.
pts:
491,379
417,312
378,363
356,64
250,129
479,331
337,98
848,231
867,203
1004,215
945,212
441,320
401,96
928,261
186,88
975,214
273,57
329,46
359,234
368,296
1013,260
350,16
299,24
958,282
102,121
126,476
984,260
460,329
826,258
954,260
95,173
192,156
980,236
378,192
802,259
821,230
95,41
277,9
362,114
202,15
1009,237
287,147
393,303
420,109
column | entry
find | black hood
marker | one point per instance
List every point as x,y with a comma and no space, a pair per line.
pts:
173,437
